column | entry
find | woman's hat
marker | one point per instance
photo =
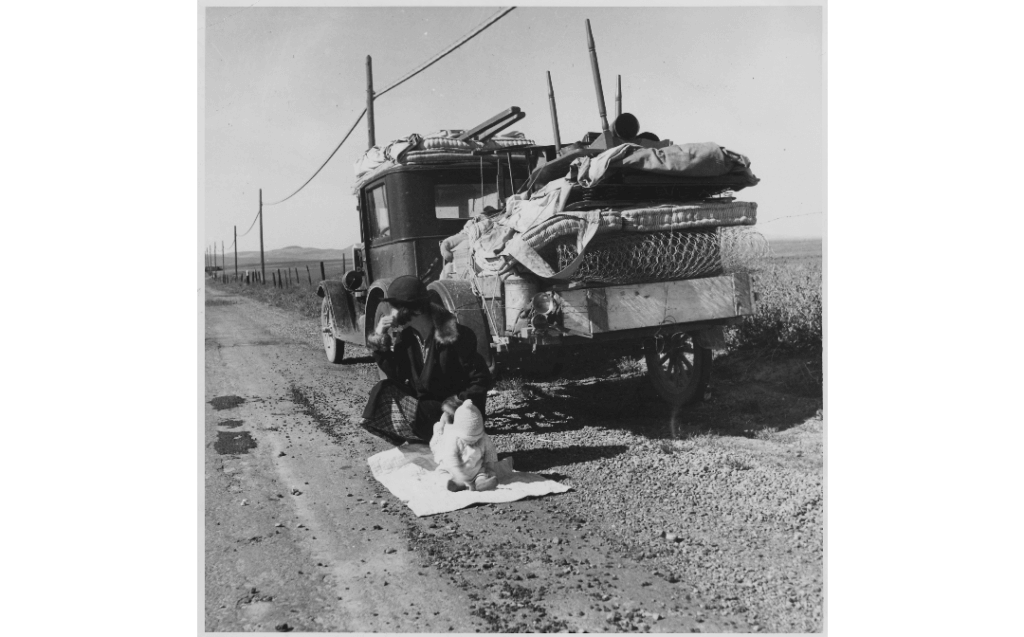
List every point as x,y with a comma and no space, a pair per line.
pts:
407,289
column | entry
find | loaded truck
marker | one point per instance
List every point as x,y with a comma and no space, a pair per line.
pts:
620,237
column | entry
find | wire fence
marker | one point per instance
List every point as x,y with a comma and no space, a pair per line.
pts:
281,274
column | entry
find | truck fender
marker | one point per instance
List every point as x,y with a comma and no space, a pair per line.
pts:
342,305
377,292
457,296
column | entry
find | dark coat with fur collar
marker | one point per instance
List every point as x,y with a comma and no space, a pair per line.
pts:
453,368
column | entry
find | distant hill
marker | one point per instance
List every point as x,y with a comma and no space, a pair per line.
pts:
290,254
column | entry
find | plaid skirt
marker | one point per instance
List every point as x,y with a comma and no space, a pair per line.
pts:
396,415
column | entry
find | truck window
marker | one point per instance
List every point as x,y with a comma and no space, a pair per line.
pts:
377,203
462,201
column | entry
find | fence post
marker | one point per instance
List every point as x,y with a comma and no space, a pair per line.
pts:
296,276
310,275
279,279
323,276
273,278
344,263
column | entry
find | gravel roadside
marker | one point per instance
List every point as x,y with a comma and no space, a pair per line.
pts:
707,520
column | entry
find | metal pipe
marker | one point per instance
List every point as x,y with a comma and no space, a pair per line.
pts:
554,113
618,97
597,79
369,101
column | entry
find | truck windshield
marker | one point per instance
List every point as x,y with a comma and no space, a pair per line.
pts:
464,200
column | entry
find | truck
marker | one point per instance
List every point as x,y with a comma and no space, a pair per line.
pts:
410,210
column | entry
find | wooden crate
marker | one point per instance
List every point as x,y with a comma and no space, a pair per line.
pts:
590,311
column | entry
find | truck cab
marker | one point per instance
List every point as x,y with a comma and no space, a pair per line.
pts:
404,212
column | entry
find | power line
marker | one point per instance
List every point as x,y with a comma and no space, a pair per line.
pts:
790,217
251,225
336,148
408,76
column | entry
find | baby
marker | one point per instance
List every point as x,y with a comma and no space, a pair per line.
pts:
464,450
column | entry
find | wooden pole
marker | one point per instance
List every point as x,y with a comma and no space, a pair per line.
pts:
310,275
280,281
618,97
223,263
236,251
369,101
554,113
323,275
263,266
344,263
597,79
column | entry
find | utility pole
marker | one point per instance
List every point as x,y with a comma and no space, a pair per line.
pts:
369,100
235,243
223,263
263,265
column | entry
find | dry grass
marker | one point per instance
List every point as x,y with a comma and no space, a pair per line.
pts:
300,298
788,317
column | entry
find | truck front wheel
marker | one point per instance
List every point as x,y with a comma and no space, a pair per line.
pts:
335,349
678,367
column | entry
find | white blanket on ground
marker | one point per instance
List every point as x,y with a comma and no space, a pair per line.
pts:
409,472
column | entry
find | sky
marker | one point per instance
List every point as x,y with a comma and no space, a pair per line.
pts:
280,87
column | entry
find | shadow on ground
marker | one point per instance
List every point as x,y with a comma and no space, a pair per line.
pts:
536,460
357,360
749,392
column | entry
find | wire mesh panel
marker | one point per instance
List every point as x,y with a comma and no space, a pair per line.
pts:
664,256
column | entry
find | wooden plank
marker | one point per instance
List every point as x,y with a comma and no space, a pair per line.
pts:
670,302
601,310
575,312
744,296
597,308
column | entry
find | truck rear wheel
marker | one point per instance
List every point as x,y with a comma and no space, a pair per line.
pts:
678,367
334,348
457,297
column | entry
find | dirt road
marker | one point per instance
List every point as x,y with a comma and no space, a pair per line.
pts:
299,536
